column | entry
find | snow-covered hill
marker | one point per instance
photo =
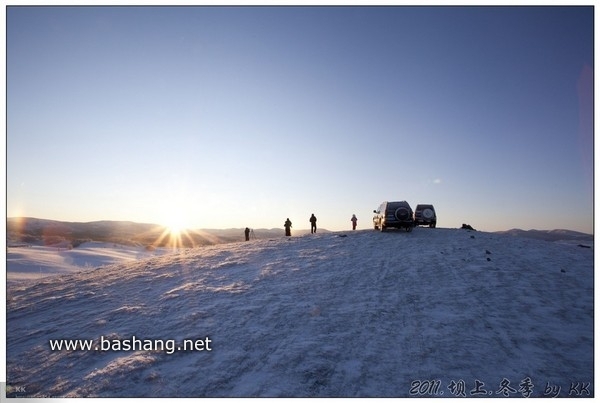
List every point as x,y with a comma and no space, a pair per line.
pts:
556,235
33,262
435,312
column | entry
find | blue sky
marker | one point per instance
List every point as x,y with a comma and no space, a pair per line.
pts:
220,117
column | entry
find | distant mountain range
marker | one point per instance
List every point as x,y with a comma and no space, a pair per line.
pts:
550,235
49,232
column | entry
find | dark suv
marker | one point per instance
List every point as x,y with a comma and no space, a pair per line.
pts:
425,215
397,214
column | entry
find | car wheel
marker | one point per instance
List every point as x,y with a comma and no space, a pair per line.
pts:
402,214
428,213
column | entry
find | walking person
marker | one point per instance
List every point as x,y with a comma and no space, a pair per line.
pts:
354,220
313,224
288,225
247,233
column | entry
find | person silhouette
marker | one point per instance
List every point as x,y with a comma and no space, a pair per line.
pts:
288,225
354,220
313,224
247,233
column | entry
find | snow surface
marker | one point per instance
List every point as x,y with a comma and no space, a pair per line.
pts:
352,314
27,262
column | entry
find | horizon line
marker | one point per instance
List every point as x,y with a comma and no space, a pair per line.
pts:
272,228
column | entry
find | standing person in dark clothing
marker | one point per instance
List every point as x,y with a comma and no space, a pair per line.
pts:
247,233
354,219
288,226
313,224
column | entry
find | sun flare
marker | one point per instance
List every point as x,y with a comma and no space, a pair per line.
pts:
175,229
174,233
175,225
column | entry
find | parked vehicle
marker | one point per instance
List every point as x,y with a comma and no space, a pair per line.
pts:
425,215
396,214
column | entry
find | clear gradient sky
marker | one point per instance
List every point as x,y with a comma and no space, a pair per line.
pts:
221,117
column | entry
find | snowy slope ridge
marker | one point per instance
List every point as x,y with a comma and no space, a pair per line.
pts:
33,262
435,312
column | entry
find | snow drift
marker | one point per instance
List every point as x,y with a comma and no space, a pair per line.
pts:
435,312
34,262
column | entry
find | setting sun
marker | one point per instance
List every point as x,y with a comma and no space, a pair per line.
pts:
175,230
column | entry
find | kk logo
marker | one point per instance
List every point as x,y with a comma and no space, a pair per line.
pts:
15,389
580,389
